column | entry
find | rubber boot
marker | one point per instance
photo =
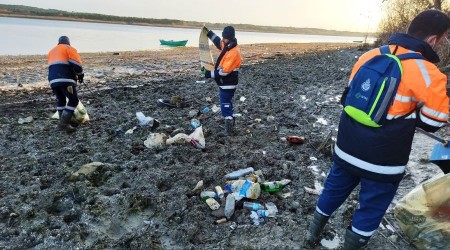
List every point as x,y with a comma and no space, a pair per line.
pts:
315,229
229,124
64,123
353,240
60,114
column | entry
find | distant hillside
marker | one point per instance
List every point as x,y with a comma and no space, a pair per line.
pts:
33,12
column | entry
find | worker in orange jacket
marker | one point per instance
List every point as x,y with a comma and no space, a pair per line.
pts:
64,70
226,72
375,157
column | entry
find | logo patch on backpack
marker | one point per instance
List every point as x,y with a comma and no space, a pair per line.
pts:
373,88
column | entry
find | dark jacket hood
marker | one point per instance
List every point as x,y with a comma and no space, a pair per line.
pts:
414,44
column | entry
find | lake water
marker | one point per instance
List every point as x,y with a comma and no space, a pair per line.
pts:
22,36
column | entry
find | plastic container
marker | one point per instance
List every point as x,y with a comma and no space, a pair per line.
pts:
270,211
274,186
212,203
229,205
244,188
239,173
219,192
208,194
195,123
253,206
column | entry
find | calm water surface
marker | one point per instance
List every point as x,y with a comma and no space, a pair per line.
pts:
21,36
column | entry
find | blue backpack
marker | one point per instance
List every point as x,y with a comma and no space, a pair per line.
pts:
373,88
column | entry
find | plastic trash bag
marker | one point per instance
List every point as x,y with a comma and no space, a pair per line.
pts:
424,214
80,115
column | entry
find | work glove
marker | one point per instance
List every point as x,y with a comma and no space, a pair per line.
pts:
80,78
203,70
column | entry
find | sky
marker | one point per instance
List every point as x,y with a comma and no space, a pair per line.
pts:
343,15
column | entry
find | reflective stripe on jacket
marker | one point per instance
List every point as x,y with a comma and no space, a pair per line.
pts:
227,72
382,153
64,63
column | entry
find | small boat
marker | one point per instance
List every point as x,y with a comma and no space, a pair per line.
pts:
173,43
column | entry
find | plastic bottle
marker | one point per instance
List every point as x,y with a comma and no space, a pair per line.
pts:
244,188
253,206
274,186
239,173
219,192
204,195
271,210
229,205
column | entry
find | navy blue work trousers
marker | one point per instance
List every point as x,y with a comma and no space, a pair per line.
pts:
226,101
374,198
63,92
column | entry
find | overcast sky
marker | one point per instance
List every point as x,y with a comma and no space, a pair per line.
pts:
349,15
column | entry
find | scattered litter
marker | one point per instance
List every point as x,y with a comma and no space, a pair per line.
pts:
193,113
242,99
205,110
215,109
208,99
25,120
146,120
322,121
197,138
220,221
247,188
195,123
200,81
155,140
198,186
295,139
312,191
130,131
178,139
258,120
284,195
270,118
212,203
239,173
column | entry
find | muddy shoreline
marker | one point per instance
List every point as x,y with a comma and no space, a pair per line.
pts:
142,198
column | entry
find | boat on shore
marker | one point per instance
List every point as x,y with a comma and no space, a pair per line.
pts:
173,43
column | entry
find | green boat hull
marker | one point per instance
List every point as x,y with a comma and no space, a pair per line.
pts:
173,43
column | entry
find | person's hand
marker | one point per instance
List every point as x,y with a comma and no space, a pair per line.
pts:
80,78
203,70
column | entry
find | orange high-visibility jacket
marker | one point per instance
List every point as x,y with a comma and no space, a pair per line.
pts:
64,63
421,82
226,73
382,153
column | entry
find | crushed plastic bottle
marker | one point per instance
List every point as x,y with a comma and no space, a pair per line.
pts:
229,205
244,188
274,186
239,173
253,206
